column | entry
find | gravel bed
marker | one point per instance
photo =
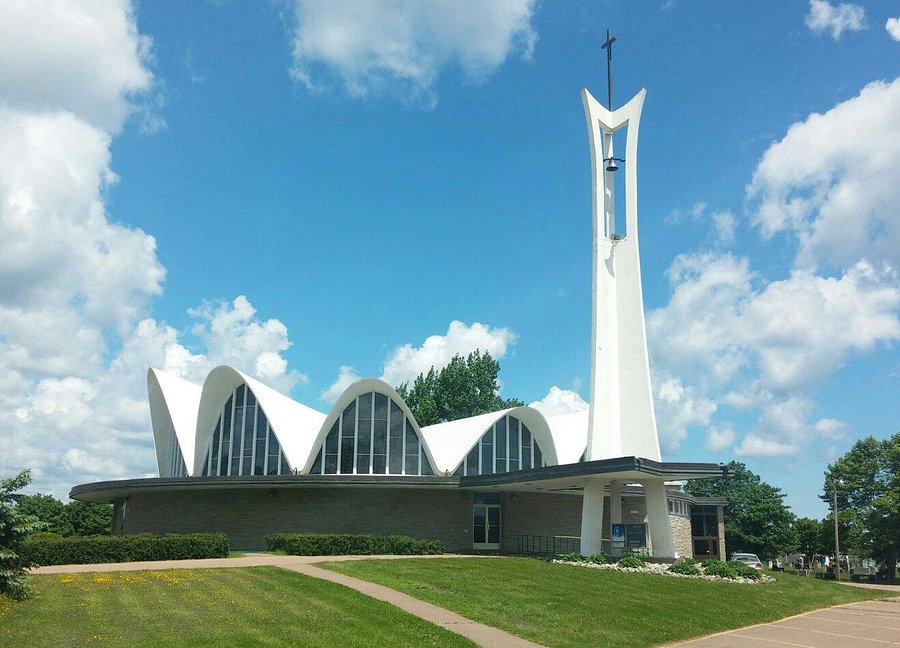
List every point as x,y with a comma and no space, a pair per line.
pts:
663,570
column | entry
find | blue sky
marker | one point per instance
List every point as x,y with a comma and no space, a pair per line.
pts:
329,186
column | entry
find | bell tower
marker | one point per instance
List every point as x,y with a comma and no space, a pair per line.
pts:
622,421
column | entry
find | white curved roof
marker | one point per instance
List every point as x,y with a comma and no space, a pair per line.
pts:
570,432
295,425
363,386
173,408
190,412
450,442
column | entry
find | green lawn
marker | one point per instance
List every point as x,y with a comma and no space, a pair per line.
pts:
564,605
259,606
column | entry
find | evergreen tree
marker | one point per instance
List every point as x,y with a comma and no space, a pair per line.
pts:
15,525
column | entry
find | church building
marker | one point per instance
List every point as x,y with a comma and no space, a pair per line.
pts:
238,457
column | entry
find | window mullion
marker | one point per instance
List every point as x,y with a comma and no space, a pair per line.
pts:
231,437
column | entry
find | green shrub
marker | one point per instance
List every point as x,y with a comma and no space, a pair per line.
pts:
719,568
632,562
44,535
127,548
572,557
743,570
686,568
318,544
599,558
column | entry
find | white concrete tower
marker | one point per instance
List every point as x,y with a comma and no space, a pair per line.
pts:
622,421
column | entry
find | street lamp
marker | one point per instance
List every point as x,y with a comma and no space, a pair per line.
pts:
837,547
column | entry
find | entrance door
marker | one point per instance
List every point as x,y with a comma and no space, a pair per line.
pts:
486,526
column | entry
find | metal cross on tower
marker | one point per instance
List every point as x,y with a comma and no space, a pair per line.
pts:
610,39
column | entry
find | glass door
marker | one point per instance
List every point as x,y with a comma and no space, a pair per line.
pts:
486,526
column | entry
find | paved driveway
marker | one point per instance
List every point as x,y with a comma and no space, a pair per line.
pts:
857,625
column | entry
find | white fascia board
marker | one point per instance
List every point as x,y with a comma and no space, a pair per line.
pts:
570,435
174,403
450,442
360,387
295,425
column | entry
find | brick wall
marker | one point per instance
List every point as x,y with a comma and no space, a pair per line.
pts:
248,515
541,514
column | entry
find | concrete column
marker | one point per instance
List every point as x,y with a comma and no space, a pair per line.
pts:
658,519
615,502
592,517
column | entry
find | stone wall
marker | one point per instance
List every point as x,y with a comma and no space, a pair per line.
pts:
723,552
681,535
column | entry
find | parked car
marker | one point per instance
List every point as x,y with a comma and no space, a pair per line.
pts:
748,558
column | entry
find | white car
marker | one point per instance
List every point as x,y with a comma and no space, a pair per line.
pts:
748,558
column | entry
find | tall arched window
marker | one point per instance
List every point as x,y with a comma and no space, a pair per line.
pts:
507,446
243,442
177,467
372,436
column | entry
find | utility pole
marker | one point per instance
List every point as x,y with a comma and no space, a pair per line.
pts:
837,545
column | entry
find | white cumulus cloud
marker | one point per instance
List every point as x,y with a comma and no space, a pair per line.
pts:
559,401
407,362
373,46
832,181
234,336
893,28
77,286
844,17
86,58
755,445
678,408
346,376
719,438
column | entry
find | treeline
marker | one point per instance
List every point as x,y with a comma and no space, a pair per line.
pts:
72,519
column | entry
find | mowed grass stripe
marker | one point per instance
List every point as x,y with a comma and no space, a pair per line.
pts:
564,605
261,606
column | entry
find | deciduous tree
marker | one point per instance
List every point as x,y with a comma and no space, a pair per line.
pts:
868,495
756,518
467,386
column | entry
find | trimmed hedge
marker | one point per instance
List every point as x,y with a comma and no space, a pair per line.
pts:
316,544
143,546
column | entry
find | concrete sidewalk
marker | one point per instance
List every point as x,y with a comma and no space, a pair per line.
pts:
867,623
248,560
480,634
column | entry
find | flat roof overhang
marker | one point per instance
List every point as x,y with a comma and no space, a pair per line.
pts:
106,491
572,477
562,478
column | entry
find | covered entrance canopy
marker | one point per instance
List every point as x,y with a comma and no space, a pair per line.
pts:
568,477
591,479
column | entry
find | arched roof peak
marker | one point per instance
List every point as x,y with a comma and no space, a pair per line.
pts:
358,388
174,403
294,424
450,442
